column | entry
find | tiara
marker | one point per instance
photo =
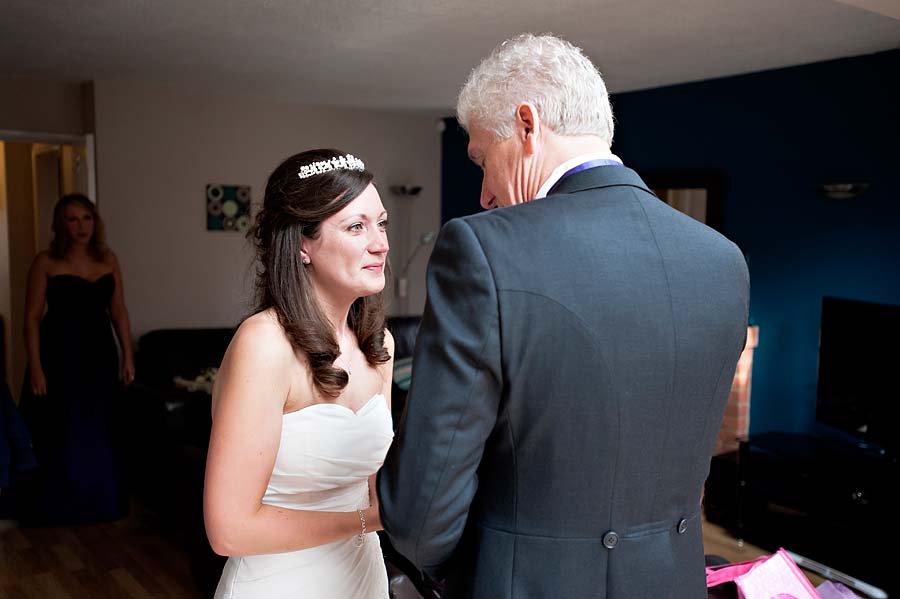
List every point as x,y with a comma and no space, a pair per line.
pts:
349,162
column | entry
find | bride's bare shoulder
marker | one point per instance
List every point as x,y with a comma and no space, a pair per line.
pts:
262,335
265,320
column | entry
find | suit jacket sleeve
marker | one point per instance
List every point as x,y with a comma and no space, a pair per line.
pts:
430,474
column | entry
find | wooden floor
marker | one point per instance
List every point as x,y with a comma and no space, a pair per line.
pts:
133,557
139,558
717,541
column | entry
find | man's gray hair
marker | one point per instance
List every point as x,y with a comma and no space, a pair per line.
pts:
562,83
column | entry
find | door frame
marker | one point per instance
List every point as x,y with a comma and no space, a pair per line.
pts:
34,137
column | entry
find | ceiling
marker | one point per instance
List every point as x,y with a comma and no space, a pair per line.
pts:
415,54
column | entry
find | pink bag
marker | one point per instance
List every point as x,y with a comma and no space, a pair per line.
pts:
773,576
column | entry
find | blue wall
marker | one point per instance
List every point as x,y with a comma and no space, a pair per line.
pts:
778,135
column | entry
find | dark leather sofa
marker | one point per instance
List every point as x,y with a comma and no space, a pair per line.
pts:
166,449
169,435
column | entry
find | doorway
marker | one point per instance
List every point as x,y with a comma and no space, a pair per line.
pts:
35,171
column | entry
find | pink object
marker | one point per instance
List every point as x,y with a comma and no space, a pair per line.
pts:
773,576
835,590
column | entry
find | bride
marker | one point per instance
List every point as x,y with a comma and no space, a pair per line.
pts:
301,403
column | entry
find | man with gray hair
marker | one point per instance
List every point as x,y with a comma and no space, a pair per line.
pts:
574,359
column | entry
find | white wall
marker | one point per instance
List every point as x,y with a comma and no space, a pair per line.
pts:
159,145
44,106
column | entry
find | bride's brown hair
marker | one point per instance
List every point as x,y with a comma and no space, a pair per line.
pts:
294,208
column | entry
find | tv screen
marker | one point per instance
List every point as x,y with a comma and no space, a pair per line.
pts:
859,355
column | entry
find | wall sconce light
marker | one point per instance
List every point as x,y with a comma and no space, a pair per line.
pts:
406,190
402,288
401,281
843,191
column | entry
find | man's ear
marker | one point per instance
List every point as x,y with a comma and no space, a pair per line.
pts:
528,126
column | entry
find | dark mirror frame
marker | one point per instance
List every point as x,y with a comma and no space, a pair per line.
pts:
712,181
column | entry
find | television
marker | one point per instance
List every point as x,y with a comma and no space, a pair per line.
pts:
858,388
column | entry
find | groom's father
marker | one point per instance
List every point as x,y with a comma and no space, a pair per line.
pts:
575,356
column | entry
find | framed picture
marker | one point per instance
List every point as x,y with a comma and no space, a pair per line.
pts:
227,207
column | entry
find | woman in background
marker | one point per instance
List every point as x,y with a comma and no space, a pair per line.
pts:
301,403
73,372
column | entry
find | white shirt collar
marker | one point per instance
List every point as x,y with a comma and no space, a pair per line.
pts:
563,168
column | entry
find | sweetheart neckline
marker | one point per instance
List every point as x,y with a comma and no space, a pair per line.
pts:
337,405
85,279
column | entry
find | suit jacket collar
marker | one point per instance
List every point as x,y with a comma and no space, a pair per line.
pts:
601,176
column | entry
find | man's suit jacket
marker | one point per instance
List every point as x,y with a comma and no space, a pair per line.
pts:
570,376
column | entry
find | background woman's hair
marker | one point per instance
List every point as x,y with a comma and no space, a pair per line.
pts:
62,241
294,208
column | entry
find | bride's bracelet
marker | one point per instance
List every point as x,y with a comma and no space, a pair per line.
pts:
361,537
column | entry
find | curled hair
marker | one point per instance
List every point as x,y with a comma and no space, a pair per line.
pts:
294,208
562,83
62,242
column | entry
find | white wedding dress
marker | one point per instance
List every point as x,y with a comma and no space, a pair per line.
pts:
325,458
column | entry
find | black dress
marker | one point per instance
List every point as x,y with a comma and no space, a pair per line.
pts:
71,427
